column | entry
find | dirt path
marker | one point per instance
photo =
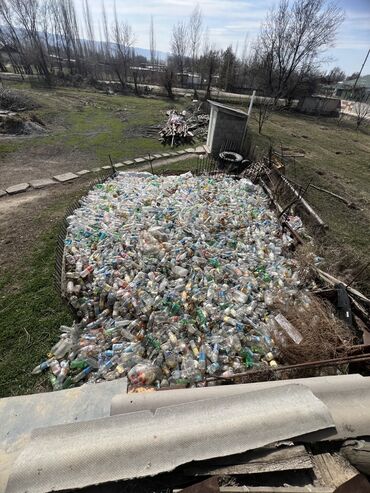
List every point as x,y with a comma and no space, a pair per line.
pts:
37,162
25,217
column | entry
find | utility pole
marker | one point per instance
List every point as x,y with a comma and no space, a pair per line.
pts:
354,87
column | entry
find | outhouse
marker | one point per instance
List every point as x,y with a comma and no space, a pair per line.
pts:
227,125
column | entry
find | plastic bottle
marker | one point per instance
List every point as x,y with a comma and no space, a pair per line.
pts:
64,367
176,274
83,373
142,374
42,366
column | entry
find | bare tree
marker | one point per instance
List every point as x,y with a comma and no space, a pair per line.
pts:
179,42
211,63
362,110
89,28
292,38
195,37
90,46
167,81
336,74
123,39
13,39
262,111
152,42
227,71
26,14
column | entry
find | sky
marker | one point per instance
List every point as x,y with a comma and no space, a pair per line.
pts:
229,21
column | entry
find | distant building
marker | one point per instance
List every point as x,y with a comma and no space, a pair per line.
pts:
148,74
319,105
189,80
346,89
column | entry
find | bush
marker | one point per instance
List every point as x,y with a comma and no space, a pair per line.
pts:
12,125
14,100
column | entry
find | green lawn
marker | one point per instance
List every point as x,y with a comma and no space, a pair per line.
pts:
94,123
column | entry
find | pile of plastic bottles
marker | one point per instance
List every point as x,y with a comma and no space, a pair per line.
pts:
173,279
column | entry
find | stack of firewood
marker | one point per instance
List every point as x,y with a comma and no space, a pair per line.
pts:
176,130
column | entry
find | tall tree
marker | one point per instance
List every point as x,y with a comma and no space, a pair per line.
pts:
179,43
152,42
227,73
195,36
123,39
292,39
211,63
26,15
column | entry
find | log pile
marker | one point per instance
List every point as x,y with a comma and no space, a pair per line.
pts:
181,128
176,130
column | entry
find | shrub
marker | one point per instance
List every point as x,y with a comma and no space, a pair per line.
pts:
14,100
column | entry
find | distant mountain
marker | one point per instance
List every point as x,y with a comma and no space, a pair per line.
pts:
161,55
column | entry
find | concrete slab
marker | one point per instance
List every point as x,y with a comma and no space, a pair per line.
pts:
157,156
180,152
46,182
3,193
190,150
128,163
21,187
174,153
139,160
166,154
107,167
96,170
119,165
65,177
83,172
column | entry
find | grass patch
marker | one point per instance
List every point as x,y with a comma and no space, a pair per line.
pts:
337,159
94,123
177,168
30,318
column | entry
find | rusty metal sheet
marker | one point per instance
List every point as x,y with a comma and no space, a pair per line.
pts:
358,484
208,486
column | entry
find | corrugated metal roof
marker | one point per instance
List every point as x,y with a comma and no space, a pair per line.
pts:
143,444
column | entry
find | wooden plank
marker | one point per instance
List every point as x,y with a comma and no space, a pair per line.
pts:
266,460
333,280
305,204
332,469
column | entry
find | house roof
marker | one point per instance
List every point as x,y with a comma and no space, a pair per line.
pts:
229,109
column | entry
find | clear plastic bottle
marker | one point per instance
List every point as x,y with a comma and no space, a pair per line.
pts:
176,274
83,373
